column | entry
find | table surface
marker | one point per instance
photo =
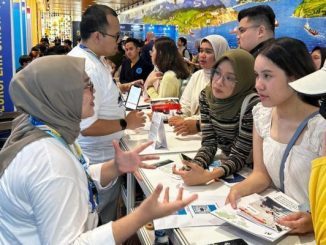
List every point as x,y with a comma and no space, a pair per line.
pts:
193,235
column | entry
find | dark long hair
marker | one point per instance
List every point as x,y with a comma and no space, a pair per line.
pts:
292,56
168,58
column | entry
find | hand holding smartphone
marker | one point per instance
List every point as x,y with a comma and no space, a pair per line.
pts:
185,158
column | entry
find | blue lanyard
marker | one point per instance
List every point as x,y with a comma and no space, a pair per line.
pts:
77,152
82,46
120,99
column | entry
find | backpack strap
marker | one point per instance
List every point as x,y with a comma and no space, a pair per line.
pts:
244,107
290,145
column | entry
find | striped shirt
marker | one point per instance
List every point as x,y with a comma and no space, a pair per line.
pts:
235,144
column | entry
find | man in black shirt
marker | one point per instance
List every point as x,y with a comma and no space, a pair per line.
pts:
134,67
256,28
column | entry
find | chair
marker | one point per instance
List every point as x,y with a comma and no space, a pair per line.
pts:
5,125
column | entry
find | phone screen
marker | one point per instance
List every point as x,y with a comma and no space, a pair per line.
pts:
133,98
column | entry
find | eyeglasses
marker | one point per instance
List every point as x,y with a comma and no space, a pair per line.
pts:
90,86
217,75
116,37
242,29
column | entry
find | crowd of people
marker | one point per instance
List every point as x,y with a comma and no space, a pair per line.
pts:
248,102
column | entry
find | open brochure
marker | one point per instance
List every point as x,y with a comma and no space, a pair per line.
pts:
258,215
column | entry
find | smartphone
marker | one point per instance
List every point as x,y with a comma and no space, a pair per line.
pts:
234,179
237,241
133,98
162,163
185,158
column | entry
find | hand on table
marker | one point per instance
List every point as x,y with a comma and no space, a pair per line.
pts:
187,127
233,196
175,120
196,175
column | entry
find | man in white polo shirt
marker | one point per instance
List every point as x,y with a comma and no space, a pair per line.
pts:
100,31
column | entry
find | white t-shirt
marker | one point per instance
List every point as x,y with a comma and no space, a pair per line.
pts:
44,198
298,164
190,97
108,105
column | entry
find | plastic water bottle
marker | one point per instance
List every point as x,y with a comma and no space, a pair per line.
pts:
161,237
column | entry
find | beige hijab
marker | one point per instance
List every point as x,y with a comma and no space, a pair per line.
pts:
219,45
51,90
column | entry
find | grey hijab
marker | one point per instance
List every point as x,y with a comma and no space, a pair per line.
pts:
51,90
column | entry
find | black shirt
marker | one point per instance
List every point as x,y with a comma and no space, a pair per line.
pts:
256,50
140,70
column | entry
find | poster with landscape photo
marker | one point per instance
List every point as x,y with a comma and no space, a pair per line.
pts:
194,19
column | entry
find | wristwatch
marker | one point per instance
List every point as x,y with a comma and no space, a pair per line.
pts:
123,124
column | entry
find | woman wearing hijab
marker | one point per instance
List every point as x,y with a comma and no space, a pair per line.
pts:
232,80
211,48
48,191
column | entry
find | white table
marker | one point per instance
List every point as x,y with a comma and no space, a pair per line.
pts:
190,235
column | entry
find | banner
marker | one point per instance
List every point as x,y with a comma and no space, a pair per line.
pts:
5,56
23,26
17,31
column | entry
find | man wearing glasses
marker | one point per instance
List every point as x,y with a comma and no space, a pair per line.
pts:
256,28
100,31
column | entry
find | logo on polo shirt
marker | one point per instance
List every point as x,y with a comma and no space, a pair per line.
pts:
139,70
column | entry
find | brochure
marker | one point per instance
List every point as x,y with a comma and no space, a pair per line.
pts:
169,106
258,215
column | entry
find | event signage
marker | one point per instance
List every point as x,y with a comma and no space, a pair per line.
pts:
5,56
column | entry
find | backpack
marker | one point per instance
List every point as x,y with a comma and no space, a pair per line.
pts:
242,112
190,54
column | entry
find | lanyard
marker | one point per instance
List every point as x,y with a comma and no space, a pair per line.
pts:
76,150
82,46
120,99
